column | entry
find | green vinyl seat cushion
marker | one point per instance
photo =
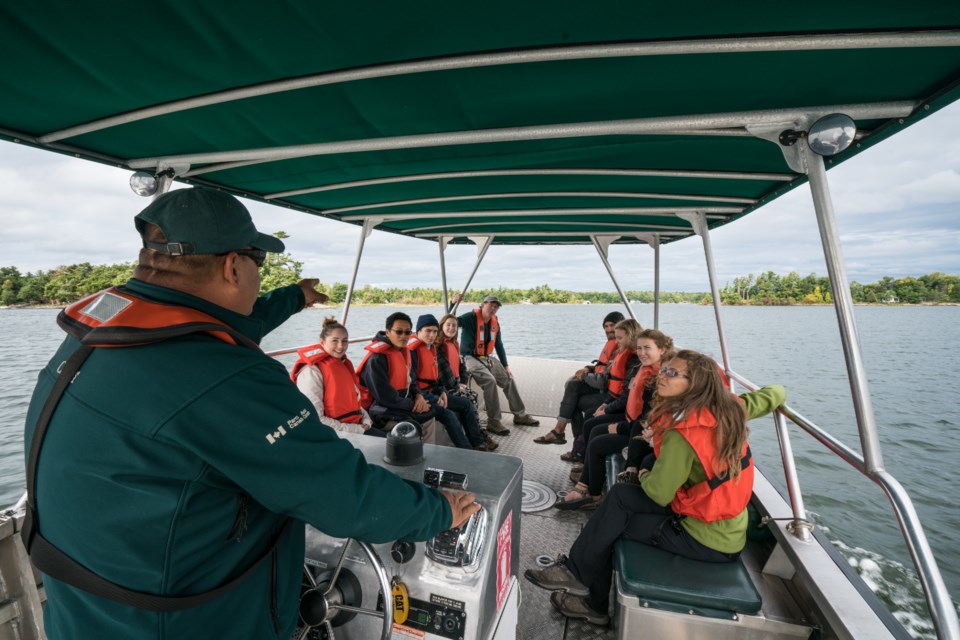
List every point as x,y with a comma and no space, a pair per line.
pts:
663,578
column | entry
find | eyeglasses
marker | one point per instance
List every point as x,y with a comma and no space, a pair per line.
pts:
259,256
673,373
403,332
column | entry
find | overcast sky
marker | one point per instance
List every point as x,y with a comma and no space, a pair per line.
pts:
897,207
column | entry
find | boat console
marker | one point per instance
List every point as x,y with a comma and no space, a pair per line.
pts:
459,585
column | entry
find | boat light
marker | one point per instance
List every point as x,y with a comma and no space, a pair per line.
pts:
831,134
144,183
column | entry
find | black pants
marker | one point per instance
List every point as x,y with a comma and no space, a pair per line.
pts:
594,462
594,471
628,513
579,399
590,426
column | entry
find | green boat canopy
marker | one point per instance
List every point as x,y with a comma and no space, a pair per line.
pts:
531,122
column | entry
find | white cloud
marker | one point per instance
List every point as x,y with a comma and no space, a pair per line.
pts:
897,211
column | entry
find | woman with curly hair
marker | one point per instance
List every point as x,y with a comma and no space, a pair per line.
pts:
693,502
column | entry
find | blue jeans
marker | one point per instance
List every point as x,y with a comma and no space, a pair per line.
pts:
467,414
449,421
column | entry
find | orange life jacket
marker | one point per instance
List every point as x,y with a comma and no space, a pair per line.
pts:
635,397
606,355
452,350
617,372
341,396
484,348
398,367
116,317
427,369
717,497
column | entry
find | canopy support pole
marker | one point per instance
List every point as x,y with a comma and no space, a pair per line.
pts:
699,223
653,241
942,611
368,226
602,244
483,244
442,243
843,303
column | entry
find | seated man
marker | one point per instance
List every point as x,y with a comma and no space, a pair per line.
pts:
480,335
456,414
583,393
387,389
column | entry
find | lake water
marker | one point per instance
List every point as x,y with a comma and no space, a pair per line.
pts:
910,354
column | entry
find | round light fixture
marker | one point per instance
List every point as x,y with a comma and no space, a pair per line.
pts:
831,134
144,183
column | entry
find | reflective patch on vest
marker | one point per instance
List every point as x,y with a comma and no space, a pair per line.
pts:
106,306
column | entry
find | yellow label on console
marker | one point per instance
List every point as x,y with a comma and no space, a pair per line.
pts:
401,602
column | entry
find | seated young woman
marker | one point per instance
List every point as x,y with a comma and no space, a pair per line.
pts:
452,375
620,376
700,434
325,375
653,347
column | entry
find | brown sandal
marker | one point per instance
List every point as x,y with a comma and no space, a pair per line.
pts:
551,437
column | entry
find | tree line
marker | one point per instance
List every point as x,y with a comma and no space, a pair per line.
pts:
65,284
771,289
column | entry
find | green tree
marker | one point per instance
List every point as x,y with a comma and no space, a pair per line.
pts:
8,295
279,269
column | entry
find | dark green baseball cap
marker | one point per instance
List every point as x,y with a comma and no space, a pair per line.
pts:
201,221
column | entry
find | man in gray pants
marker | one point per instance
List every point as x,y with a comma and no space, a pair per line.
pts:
480,336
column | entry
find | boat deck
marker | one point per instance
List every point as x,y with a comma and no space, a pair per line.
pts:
546,532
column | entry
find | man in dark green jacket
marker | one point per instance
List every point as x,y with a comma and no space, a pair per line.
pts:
168,468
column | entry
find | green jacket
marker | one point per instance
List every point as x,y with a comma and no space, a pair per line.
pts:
678,465
165,470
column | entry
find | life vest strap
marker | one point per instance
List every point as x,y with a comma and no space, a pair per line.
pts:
355,412
720,478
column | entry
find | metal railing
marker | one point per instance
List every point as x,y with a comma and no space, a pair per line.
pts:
287,351
935,591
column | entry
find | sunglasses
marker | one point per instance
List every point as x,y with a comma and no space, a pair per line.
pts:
259,256
403,332
673,373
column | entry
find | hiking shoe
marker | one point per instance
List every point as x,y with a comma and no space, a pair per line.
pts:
497,429
491,445
574,606
556,577
526,420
